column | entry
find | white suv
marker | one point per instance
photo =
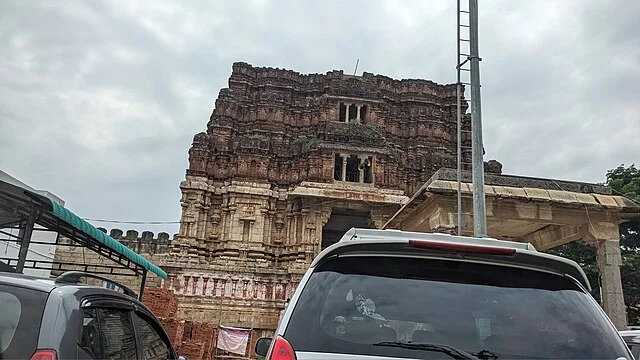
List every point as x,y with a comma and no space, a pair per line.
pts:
388,294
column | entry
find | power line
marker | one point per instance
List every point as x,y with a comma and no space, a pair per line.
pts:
134,222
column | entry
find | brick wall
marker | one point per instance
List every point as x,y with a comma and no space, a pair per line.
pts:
197,340
162,302
174,329
194,339
192,350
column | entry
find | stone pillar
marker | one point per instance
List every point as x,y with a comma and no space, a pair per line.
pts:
609,261
203,209
344,167
290,231
373,170
268,224
606,239
346,113
323,217
358,113
226,215
360,172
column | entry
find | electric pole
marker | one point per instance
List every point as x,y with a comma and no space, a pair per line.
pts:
472,57
479,207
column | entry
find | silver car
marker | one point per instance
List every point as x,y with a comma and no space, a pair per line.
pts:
388,294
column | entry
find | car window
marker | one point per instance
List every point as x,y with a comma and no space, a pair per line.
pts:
9,321
20,316
153,346
107,333
91,341
351,303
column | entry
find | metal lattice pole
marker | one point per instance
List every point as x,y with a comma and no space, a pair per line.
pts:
459,124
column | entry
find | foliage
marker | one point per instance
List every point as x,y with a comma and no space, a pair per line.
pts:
623,181
585,256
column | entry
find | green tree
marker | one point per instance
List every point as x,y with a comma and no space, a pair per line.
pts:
585,256
623,181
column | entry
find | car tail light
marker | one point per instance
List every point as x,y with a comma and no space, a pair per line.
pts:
282,350
466,248
45,354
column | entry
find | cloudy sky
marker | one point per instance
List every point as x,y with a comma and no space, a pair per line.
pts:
99,100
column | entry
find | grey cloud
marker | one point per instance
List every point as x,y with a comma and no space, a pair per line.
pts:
560,104
100,100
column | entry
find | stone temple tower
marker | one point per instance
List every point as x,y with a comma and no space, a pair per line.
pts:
287,164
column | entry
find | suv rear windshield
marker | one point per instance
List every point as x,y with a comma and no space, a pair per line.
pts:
352,303
20,314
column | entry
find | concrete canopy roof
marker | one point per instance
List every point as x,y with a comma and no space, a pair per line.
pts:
517,206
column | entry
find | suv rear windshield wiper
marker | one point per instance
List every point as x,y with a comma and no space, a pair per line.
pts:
446,349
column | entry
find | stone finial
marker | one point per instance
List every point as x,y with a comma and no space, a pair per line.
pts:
493,166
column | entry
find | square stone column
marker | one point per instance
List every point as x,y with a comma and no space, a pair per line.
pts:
609,261
606,239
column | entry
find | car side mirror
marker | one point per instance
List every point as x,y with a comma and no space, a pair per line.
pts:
262,346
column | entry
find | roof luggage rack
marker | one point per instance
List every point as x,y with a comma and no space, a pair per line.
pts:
73,277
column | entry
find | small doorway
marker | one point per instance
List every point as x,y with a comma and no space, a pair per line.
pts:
341,220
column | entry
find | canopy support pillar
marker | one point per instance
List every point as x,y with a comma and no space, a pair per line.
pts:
25,239
142,284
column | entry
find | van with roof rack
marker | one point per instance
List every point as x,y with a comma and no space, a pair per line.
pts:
62,318
380,294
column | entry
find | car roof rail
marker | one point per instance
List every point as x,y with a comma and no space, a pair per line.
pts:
399,235
73,277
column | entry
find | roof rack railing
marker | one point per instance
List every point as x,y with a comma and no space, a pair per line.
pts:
73,277
393,234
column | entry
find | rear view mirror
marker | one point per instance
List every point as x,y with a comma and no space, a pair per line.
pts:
262,346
